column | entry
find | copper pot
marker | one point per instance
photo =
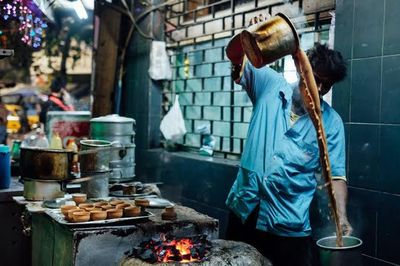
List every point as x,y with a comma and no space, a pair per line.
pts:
266,42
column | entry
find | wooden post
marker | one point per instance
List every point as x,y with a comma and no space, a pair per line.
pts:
107,28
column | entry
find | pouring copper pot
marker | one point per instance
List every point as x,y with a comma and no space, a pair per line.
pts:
265,42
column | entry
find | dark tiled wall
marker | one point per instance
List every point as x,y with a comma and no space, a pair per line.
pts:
201,183
368,100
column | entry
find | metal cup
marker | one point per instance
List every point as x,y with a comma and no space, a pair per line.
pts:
269,40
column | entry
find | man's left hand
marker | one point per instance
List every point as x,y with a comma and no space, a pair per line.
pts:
346,227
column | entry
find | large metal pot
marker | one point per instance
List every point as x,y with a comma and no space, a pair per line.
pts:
122,171
94,155
97,186
46,164
113,128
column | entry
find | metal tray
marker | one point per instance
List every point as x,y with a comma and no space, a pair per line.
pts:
59,217
119,193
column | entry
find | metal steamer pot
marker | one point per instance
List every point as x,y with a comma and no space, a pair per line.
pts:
122,162
46,164
120,131
113,128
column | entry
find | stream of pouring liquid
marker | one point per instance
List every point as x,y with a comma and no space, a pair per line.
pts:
310,95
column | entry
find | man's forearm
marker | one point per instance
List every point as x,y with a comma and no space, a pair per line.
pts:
340,189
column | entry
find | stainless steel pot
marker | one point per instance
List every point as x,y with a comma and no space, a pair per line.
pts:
35,189
94,155
113,128
122,171
125,153
46,164
97,186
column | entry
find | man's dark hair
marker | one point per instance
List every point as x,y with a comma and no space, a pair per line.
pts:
57,84
327,63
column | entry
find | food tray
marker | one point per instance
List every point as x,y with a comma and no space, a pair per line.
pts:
59,217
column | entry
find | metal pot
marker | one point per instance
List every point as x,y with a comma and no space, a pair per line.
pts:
94,155
125,153
122,171
46,164
97,186
42,189
113,128
332,255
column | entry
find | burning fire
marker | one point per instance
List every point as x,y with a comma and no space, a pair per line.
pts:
183,246
181,250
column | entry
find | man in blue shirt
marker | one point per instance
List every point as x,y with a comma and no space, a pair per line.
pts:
271,196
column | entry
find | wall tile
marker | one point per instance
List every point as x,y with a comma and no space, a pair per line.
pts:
363,156
362,210
391,43
368,26
388,228
341,95
365,90
391,90
344,27
370,261
390,159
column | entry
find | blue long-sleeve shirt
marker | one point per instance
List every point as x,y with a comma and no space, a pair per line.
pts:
279,161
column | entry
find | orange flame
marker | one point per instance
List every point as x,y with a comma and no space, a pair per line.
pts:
183,246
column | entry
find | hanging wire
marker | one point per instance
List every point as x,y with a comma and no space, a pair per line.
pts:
133,20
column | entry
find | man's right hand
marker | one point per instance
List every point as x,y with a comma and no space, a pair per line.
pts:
258,19
234,50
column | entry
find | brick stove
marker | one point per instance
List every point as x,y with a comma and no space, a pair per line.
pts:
58,244
222,252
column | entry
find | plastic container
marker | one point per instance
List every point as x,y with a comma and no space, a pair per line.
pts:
5,167
56,142
332,255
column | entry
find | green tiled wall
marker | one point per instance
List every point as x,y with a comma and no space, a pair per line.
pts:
368,101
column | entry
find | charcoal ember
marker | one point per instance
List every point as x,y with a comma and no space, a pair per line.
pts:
186,257
148,255
161,254
194,254
175,251
175,258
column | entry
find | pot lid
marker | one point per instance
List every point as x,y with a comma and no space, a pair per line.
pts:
113,118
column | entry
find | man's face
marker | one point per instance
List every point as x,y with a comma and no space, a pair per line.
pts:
324,84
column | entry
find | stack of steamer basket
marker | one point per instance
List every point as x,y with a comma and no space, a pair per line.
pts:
120,131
